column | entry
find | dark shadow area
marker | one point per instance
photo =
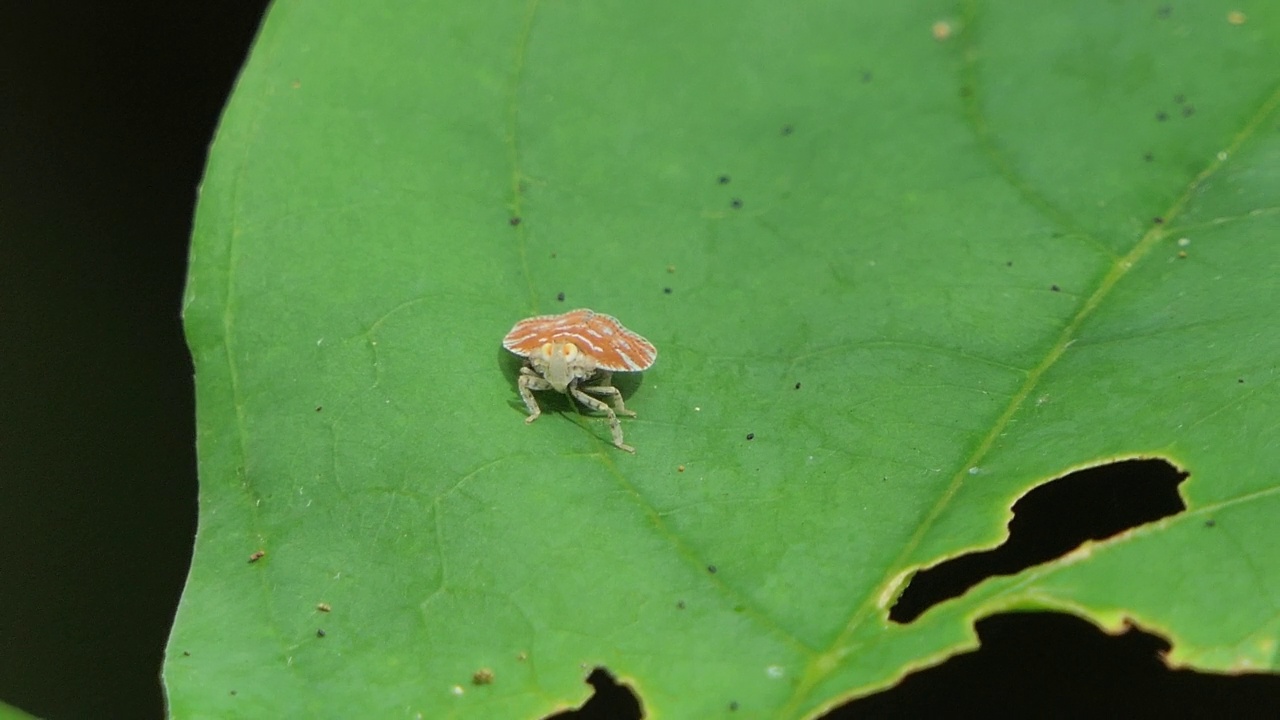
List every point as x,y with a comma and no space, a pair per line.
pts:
107,110
1050,665
610,701
1050,521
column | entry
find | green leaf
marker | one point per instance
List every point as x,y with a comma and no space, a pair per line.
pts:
9,712
914,270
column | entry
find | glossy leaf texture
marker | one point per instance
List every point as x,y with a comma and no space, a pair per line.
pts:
902,262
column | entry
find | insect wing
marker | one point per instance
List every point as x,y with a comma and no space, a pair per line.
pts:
532,333
601,336
614,347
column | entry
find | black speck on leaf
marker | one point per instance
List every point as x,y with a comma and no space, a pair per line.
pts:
1188,111
737,203
321,633
1157,220
711,569
751,436
514,221
1162,116
666,290
724,180
787,129
797,386
1055,288
1148,157
560,297
1179,98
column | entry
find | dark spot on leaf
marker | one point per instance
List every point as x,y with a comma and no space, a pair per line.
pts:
1188,111
1050,521
513,221
560,296
711,569
733,706
483,676
610,701
751,436
737,203
321,633
787,129
680,605
666,290
1157,220
233,692
186,653
1210,523
1148,156
1164,11
319,408
1179,98
553,256
1162,116
1008,263
724,180
797,386
1240,380
866,77
966,91
1055,288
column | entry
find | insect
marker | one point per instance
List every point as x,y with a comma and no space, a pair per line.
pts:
576,353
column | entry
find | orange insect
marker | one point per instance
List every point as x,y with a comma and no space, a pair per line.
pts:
576,353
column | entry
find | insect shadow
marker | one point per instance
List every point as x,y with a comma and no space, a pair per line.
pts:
510,363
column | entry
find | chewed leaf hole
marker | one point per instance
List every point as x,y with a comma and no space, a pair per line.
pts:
610,701
1057,665
1051,521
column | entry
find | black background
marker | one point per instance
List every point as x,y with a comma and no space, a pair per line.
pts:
106,111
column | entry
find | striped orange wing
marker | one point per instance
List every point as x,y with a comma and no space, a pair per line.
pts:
601,336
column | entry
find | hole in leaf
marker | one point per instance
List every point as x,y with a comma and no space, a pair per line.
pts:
1050,521
1057,665
610,701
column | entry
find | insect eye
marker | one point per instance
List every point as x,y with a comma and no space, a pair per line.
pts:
570,350
546,350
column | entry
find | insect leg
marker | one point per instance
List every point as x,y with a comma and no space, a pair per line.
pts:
615,398
601,406
530,381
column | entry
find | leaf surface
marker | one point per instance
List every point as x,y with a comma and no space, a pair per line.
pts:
902,263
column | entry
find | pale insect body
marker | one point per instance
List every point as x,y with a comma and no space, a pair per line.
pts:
576,353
